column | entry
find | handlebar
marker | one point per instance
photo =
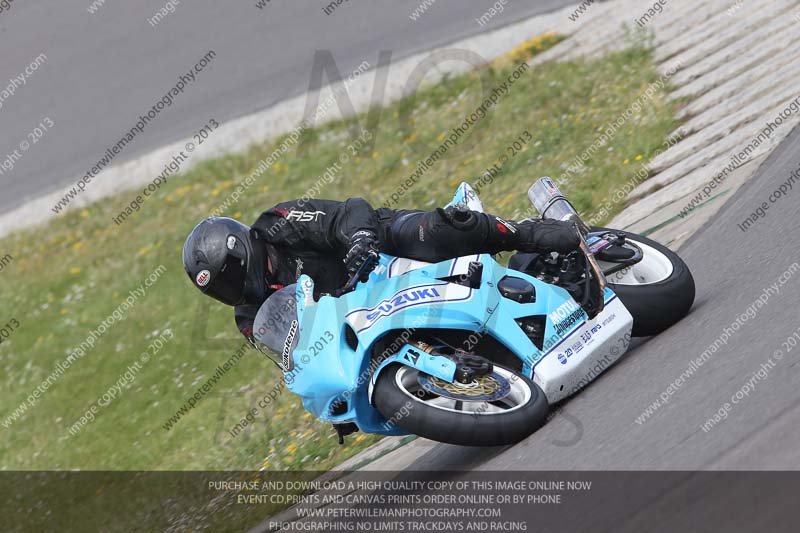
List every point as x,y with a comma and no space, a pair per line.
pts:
367,266
595,273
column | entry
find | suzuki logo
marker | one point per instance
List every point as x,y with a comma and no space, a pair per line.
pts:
404,298
421,295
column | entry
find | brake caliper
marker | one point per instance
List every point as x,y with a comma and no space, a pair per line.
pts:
469,366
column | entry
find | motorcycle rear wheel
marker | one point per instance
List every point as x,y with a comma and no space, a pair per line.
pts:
401,397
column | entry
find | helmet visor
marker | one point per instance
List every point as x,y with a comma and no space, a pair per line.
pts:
228,285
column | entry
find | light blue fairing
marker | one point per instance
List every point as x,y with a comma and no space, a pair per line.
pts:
327,369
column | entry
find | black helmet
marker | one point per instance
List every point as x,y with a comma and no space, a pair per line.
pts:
227,261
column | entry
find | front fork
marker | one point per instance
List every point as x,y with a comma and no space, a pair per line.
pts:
596,273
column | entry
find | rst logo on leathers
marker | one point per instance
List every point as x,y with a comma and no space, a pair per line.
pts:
304,216
432,293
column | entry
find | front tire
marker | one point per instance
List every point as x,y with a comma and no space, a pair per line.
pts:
658,291
401,397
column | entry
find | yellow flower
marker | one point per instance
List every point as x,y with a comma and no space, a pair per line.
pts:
85,213
144,250
639,157
626,161
75,270
360,437
291,449
237,214
77,246
440,138
265,465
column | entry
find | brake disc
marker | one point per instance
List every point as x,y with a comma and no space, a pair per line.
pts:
486,388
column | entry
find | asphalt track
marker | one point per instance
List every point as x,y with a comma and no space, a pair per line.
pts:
104,70
597,428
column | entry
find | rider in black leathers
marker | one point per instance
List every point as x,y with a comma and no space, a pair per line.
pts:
329,241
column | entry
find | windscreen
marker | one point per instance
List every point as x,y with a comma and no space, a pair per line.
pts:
276,328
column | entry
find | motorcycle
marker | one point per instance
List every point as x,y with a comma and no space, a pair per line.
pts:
468,351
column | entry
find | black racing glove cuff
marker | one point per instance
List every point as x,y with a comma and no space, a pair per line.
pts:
505,233
496,233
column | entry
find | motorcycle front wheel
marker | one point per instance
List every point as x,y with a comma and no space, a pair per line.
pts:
497,409
658,291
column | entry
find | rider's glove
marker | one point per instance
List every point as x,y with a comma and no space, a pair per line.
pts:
363,247
548,236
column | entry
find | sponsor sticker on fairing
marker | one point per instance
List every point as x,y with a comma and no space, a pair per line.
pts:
574,318
565,316
287,346
432,293
609,319
550,187
563,356
596,244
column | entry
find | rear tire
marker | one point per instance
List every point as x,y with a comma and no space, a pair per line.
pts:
400,398
655,305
